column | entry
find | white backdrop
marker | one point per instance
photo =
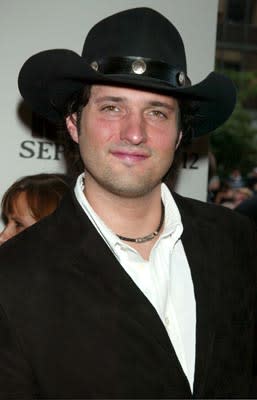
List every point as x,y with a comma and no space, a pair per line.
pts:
29,26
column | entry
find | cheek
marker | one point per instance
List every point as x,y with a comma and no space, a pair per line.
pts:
27,221
164,141
96,133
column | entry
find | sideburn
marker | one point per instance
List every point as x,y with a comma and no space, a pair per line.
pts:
84,101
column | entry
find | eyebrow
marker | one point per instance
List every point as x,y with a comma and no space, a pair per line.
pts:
117,99
155,103
109,98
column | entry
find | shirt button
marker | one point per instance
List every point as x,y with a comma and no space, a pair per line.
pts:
120,246
166,321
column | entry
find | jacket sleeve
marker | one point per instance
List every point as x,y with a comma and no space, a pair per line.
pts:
16,379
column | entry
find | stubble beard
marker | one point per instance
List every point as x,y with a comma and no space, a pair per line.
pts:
129,185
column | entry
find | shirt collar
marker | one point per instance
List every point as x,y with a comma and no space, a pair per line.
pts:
172,220
107,234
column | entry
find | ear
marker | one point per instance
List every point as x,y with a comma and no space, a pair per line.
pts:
71,123
179,139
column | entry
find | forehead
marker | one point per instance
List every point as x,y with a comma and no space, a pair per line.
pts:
129,94
20,204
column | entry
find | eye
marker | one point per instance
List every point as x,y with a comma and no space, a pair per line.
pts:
157,114
110,108
18,224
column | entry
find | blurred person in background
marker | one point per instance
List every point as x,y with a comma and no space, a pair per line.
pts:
240,195
231,198
235,179
30,199
225,194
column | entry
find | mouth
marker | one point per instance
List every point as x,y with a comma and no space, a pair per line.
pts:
130,157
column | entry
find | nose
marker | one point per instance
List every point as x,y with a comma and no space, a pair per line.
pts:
133,130
6,234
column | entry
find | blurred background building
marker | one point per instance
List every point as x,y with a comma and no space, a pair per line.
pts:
234,145
236,46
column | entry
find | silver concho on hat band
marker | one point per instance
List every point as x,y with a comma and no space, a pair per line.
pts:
181,78
138,67
94,65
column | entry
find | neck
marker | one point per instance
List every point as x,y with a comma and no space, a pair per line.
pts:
129,217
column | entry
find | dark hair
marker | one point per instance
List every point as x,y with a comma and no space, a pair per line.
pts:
75,104
43,194
188,112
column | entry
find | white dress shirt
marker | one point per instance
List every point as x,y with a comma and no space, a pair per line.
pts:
165,279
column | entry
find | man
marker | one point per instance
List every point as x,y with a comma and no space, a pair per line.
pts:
128,290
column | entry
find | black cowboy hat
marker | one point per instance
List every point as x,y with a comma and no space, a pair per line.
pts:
136,48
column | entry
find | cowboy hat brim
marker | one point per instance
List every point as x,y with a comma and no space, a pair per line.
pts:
48,79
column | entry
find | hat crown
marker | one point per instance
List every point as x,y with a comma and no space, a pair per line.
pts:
137,48
139,32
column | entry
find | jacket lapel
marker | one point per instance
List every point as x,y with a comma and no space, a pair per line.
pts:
201,257
98,257
95,259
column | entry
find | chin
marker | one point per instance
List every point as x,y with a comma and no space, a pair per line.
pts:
131,190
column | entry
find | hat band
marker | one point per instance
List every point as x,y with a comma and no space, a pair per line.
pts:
140,66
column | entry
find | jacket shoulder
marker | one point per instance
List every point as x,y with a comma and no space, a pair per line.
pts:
210,212
45,242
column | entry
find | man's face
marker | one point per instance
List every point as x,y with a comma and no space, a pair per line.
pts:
127,139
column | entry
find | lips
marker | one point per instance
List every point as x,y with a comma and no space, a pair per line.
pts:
130,156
